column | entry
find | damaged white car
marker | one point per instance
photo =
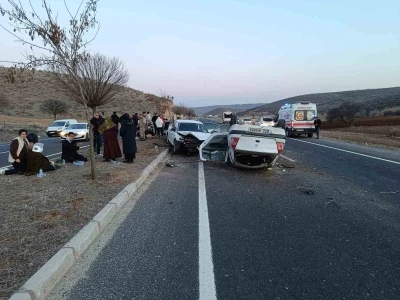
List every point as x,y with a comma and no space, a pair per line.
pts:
186,135
246,146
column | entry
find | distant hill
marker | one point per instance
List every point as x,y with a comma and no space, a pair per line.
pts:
218,109
26,97
377,99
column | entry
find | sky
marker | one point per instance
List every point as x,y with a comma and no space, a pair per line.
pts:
231,52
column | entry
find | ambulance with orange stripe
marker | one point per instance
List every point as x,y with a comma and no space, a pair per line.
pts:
299,118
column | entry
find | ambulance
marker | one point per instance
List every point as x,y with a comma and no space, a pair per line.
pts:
299,118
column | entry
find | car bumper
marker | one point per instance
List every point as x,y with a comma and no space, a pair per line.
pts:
303,130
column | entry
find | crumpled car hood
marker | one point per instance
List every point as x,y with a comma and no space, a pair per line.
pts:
201,136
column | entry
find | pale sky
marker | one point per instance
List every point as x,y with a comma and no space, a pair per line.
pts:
224,51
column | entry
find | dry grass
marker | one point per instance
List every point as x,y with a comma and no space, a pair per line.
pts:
38,216
386,136
25,98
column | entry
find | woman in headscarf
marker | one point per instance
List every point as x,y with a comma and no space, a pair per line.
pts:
37,161
128,134
109,130
18,153
70,148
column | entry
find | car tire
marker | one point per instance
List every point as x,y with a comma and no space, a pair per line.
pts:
49,135
176,148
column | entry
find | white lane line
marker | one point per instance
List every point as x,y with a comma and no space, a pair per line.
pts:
9,166
3,152
285,157
207,288
347,151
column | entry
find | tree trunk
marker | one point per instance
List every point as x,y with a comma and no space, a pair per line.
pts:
55,116
91,151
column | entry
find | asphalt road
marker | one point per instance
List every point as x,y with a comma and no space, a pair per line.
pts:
52,149
324,226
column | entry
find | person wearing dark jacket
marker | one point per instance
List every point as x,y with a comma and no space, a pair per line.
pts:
128,134
70,149
317,124
96,122
153,120
36,161
18,153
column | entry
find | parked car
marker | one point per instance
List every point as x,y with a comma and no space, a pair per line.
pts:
81,131
246,146
246,121
265,121
221,128
58,126
210,126
186,135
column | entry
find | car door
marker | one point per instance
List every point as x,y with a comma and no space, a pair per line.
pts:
171,132
215,148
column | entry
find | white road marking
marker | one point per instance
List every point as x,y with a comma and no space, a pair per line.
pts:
285,157
4,152
207,288
347,151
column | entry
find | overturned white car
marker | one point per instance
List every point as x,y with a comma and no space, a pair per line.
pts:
186,135
247,146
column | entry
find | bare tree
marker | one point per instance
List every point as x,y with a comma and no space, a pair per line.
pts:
346,112
54,107
51,44
99,79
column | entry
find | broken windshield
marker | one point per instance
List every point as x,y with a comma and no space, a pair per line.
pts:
195,127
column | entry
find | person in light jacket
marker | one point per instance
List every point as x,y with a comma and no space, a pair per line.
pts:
159,125
18,153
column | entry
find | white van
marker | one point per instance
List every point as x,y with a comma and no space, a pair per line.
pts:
59,125
299,118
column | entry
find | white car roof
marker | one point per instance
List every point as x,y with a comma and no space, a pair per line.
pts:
189,121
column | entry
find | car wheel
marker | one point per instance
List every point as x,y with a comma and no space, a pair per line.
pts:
176,148
49,135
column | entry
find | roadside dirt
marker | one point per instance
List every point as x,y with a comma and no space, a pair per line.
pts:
39,215
381,136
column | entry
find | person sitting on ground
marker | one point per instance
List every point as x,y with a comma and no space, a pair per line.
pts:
18,154
70,149
36,161
32,139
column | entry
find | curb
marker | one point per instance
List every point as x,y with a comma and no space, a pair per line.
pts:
44,280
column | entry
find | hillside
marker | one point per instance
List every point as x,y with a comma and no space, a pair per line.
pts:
25,98
377,99
218,109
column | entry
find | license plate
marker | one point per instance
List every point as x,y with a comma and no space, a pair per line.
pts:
300,129
259,130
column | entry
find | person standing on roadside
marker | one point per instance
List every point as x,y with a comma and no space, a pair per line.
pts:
148,117
128,134
153,122
18,153
159,126
142,127
115,118
317,124
111,146
96,122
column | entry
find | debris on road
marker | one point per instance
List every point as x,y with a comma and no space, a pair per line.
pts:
170,164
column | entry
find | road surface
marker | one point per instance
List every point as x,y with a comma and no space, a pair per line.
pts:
324,224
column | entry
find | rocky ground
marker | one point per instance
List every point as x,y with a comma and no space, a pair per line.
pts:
39,215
